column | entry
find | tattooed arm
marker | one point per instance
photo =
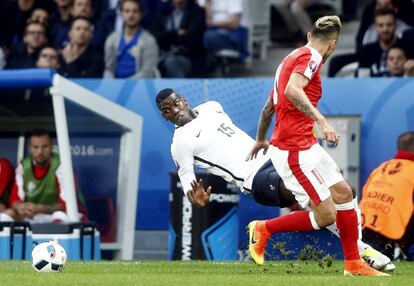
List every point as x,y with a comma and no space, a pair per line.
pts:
264,122
265,119
295,93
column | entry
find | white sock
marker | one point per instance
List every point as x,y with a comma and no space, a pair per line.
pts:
313,221
361,245
332,228
358,211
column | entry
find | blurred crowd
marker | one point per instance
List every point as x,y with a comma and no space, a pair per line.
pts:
121,39
384,42
182,38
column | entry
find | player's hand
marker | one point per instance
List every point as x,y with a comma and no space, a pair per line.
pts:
409,68
20,209
258,145
200,197
328,132
30,210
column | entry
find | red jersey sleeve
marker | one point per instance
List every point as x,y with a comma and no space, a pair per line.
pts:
17,193
6,175
307,64
14,197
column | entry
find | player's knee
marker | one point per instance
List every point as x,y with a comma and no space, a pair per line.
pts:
342,194
326,217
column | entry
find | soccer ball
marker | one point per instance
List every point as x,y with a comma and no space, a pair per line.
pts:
48,257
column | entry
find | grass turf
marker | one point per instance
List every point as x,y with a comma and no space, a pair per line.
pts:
196,273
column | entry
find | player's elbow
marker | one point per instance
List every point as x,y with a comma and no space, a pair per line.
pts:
290,92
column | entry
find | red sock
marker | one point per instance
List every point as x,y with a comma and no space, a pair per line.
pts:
294,221
347,223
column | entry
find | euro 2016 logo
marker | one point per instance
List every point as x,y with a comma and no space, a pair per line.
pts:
51,251
313,66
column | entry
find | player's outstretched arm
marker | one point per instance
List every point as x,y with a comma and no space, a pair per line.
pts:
295,93
266,117
198,195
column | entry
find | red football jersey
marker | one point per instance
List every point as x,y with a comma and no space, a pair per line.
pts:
294,130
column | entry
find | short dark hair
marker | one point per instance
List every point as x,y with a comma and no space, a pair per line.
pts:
163,94
384,11
122,2
326,27
39,132
33,22
399,47
49,47
80,18
406,141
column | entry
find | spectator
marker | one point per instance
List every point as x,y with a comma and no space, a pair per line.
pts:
223,26
60,22
387,204
373,57
40,15
295,16
367,31
396,59
134,51
110,19
368,21
25,54
82,9
48,58
180,37
14,16
78,58
39,191
6,182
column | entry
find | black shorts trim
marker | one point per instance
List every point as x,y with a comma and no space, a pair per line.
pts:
218,167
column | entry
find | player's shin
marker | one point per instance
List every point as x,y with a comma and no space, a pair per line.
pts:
294,221
347,224
334,228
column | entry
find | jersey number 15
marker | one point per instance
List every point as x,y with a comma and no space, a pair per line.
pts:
227,130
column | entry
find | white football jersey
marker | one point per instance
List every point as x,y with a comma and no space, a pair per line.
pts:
212,141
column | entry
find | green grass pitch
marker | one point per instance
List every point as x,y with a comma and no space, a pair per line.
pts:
198,273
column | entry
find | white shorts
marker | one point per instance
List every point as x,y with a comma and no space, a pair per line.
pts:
308,174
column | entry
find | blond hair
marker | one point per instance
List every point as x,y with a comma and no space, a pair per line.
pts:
326,27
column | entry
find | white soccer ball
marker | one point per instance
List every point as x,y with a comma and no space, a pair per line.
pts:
48,257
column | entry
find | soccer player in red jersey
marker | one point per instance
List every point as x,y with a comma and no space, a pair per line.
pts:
305,167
